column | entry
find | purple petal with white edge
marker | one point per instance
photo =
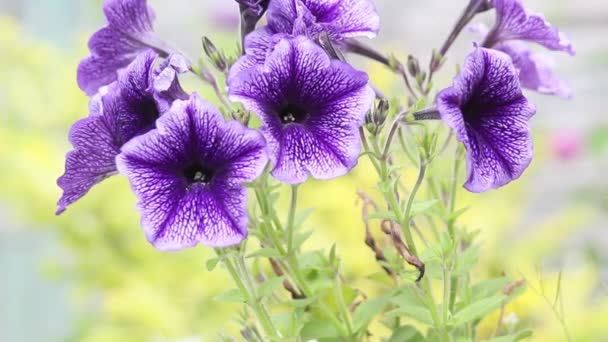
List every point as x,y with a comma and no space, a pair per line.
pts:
535,70
341,19
128,32
489,115
513,22
311,108
188,175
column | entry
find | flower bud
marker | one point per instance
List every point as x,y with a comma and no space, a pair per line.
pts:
436,61
375,118
413,66
216,56
242,116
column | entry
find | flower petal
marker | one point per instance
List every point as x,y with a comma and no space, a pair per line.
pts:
513,22
535,70
341,19
129,31
499,149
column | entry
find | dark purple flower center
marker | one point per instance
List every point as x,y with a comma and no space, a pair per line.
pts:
471,112
196,173
292,113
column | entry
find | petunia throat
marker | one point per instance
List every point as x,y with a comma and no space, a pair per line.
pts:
196,173
293,113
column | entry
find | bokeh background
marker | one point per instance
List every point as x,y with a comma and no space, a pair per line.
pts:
89,275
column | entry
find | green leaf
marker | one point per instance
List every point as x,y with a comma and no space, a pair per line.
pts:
512,338
301,303
387,186
406,333
420,207
366,311
383,215
316,329
488,288
456,214
302,216
230,296
212,263
477,309
299,239
332,254
269,286
265,253
418,313
467,260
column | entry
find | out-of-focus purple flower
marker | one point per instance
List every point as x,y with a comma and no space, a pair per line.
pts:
536,70
514,22
188,176
311,108
128,107
225,19
566,145
128,32
340,19
489,115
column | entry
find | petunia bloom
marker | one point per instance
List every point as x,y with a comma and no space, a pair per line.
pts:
311,108
128,32
340,19
127,108
489,115
536,70
188,176
514,22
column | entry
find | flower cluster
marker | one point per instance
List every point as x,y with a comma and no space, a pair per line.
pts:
192,165
187,164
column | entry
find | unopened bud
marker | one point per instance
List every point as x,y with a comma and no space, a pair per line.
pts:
216,56
436,61
375,118
242,116
413,66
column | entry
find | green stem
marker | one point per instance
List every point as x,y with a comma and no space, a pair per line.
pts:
291,218
447,278
451,221
410,202
300,280
289,260
342,305
238,273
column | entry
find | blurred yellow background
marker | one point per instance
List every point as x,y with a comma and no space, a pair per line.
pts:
90,275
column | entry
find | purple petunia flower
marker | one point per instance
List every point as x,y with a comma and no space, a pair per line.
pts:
513,22
341,19
127,108
311,108
128,32
536,70
188,176
489,115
